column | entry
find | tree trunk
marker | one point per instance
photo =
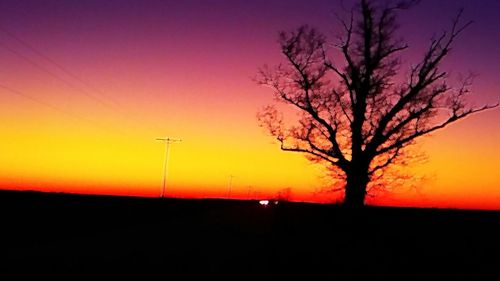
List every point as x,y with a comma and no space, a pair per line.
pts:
355,190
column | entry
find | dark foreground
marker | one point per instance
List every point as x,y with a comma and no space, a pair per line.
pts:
68,237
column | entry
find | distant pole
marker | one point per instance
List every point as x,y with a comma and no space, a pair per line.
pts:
249,190
167,142
230,186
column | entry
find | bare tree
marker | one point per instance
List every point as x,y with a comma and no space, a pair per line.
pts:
360,117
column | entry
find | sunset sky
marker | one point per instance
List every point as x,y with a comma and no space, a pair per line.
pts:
87,86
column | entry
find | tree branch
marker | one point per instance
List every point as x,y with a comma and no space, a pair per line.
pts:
427,74
451,119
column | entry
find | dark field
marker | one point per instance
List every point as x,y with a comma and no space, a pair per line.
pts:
70,237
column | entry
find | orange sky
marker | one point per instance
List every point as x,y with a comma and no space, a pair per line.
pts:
133,73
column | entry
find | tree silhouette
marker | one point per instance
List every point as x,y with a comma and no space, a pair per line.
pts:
359,117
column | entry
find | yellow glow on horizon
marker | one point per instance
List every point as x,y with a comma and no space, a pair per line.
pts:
47,150
55,152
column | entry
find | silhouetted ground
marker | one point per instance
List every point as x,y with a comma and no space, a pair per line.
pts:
70,237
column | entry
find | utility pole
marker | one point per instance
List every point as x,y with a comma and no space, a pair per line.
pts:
249,191
230,186
167,142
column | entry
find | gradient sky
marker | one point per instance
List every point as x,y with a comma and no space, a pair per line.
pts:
87,86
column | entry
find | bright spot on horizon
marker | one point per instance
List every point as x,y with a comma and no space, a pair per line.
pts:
264,202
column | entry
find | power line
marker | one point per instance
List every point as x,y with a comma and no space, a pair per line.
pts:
59,66
60,110
71,85
63,69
